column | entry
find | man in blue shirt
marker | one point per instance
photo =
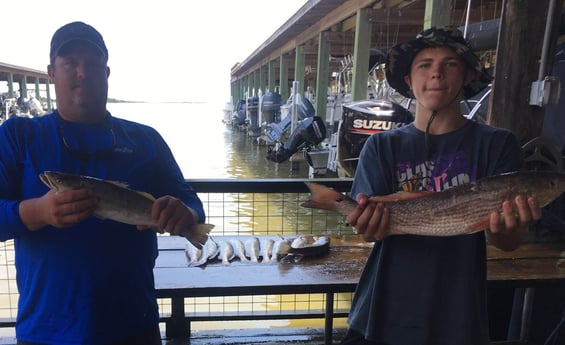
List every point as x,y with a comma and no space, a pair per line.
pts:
84,280
431,290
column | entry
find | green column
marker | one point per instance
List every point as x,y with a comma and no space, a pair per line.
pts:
249,85
255,82
10,85
271,83
241,88
23,87
299,70
262,80
437,13
283,78
322,77
37,94
361,56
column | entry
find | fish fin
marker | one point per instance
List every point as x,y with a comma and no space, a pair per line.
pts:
197,234
482,224
324,198
118,183
400,196
147,195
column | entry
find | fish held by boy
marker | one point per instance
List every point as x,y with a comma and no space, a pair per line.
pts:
119,203
459,210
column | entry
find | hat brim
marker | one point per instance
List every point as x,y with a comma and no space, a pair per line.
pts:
57,51
400,57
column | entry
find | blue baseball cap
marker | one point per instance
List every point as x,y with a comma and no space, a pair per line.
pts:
76,31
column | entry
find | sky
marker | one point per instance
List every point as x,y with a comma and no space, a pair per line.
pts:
165,50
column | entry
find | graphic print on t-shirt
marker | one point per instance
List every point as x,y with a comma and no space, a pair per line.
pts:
435,175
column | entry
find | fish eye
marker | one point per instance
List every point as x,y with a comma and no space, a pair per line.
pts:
339,199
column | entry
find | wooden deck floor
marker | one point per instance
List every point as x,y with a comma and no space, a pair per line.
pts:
290,336
280,336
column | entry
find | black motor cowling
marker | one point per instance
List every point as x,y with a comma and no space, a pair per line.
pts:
310,131
359,121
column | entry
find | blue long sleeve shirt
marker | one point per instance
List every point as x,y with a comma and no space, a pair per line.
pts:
91,283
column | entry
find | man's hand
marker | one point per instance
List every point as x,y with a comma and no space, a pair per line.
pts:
172,215
369,219
59,209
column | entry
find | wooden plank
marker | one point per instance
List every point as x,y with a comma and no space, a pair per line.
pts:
529,250
544,272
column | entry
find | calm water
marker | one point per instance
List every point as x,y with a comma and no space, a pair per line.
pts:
203,145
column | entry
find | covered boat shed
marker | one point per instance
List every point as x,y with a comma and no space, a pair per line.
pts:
24,76
303,48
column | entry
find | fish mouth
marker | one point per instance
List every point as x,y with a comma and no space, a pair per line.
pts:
45,179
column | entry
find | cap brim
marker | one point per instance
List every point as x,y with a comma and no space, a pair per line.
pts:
62,45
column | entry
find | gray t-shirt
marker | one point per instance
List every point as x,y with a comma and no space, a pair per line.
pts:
427,290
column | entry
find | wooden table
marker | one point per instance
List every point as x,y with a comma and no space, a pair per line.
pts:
526,268
338,271
530,266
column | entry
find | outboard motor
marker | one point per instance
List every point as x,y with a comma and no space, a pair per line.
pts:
276,130
23,104
310,131
240,114
252,109
271,107
359,121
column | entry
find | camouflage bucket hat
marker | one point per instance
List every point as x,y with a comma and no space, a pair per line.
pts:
399,59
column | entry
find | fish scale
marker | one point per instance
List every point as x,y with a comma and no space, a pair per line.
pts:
459,210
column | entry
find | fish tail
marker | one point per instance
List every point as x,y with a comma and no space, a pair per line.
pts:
197,234
324,198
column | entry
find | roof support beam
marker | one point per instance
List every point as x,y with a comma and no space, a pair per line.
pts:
361,56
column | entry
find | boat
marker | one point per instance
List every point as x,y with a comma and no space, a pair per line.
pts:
19,106
228,113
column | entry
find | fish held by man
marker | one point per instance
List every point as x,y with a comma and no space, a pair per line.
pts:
119,203
459,210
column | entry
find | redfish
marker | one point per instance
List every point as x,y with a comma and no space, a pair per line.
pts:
119,203
459,210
